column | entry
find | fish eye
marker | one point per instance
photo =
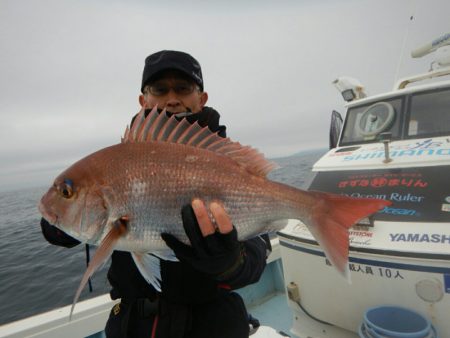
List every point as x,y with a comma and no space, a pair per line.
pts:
65,188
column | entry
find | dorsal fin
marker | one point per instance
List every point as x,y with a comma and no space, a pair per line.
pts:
158,127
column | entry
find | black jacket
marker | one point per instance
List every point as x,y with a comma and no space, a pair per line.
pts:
189,298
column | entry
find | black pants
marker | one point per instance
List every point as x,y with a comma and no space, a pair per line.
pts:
223,317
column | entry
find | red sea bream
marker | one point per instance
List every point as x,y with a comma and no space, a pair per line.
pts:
124,196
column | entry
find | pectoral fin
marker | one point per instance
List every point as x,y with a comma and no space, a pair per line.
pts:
119,229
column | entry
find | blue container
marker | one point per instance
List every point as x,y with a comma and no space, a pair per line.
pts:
395,322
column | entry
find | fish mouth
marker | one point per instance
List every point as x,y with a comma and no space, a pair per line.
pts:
49,216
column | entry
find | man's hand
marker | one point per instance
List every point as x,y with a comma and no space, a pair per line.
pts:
223,221
214,248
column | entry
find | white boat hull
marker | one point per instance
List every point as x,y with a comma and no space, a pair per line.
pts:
376,279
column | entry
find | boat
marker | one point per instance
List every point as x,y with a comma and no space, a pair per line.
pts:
393,146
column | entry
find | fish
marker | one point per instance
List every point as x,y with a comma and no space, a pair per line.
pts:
124,196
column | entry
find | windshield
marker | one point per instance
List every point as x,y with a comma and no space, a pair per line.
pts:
364,123
429,114
417,115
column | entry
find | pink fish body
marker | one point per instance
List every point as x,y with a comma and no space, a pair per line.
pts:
124,196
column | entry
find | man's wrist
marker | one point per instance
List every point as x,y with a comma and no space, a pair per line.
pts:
233,269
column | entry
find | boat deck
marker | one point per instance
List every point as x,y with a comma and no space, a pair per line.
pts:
275,313
266,300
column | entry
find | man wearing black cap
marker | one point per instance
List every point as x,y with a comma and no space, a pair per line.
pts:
196,298
173,80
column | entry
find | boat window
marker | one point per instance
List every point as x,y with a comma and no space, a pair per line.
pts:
365,123
429,114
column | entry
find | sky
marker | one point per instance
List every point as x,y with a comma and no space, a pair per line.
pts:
71,70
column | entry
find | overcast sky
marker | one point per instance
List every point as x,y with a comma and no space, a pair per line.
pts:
71,70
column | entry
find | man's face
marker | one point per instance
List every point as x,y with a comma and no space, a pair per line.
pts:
174,92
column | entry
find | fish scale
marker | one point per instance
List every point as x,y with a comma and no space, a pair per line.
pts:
155,212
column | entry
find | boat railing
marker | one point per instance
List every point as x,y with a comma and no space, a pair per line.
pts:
88,319
402,83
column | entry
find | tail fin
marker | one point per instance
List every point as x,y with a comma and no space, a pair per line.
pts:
330,220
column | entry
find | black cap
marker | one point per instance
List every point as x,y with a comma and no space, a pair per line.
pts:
170,59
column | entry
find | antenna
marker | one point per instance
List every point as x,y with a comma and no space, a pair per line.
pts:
411,18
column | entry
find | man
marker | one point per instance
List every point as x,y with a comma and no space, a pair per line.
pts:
196,298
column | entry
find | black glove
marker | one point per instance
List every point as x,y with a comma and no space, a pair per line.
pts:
218,255
57,237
